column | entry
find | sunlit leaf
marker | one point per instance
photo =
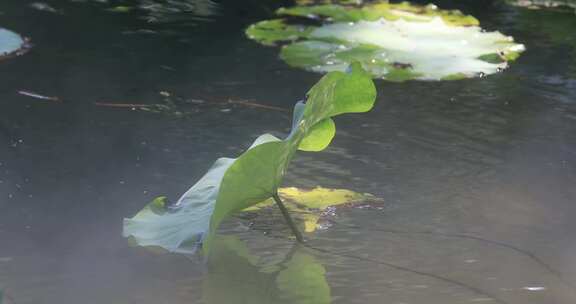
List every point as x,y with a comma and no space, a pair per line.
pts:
396,42
269,32
379,10
309,205
232,185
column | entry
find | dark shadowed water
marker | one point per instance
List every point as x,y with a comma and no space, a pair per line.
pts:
478,176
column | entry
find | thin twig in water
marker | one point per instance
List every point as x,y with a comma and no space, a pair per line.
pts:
39,96
123,105
418,272
405,269
524,252
234,102
256,105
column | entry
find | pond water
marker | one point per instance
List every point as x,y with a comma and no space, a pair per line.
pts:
477,176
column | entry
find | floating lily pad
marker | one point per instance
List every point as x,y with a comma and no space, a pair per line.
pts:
11,44
396,42
379,10
269,32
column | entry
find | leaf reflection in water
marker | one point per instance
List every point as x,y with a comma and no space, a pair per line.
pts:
237,275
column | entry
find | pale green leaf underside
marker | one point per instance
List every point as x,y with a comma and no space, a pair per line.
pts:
232,185
10,42
395,42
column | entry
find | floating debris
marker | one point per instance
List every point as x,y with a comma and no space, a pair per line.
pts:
123,105
38,96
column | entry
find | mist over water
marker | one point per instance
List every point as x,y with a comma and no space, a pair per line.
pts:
477,175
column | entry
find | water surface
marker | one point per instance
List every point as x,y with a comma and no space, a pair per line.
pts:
477,176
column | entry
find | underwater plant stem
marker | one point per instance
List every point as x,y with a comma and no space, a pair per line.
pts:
288,219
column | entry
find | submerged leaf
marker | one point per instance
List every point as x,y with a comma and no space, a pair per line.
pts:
310,205
232,185
396,42
322,198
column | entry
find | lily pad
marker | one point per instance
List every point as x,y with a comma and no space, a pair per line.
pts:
232,185
11,44
396,42
268,32
379,10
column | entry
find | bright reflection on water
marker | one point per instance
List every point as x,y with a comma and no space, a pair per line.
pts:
477,176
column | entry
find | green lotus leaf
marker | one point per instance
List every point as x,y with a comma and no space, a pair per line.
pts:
396,42
432,49
232,185
270,32
322,56
411,12
411,50
378,10
310,2
309,54
334,12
